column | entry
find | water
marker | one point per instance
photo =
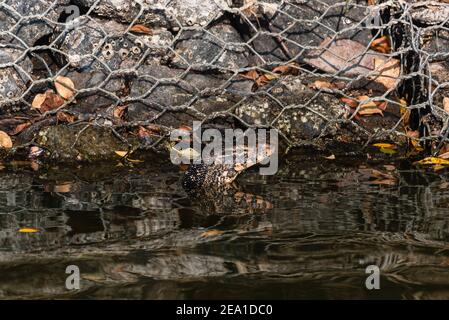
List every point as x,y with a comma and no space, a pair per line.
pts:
308,232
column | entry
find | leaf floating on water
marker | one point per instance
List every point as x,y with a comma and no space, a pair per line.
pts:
5,140
210,233
65,87
140,28
28,230
432,161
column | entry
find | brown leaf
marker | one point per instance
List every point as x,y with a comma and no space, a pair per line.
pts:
262,80
252,75
446,104
381,44
368,111
65,87
20,128
65,117
139,28
51,101
5,140
323,84
38,100
350,102
120,111
388,72
285,69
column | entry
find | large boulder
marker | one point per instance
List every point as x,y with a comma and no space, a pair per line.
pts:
218,47
15,73
21,18
158,13
105,44
280,31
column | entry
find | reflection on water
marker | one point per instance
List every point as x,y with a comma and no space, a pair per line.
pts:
308,232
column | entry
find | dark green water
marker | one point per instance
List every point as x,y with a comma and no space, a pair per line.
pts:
308,232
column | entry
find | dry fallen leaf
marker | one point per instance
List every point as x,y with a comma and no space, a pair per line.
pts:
139,28
5,140
19,128
39,100
331,157
65,117
65,87
119,111
387,72
323,84
446,104
381,44
252,75
213,232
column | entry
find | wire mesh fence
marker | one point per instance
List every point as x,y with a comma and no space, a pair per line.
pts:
319,71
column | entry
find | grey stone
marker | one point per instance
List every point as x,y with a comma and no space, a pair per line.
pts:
21,17
286,30
105,45
304,117
175,97
159,13
15,73
220,47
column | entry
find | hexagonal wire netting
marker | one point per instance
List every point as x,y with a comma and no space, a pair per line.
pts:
355,71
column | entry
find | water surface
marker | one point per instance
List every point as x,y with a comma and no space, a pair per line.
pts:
308,232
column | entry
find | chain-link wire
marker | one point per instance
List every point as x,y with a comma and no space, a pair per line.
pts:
317,70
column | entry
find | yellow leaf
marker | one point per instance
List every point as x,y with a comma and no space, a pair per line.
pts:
432,161
65,87
5,140
213,232
28,230
121,153
384,145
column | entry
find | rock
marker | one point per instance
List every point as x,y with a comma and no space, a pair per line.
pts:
13,78
101,44
69,143
202,51
173,97
304,117
16,16
98,89
159,13
287,29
